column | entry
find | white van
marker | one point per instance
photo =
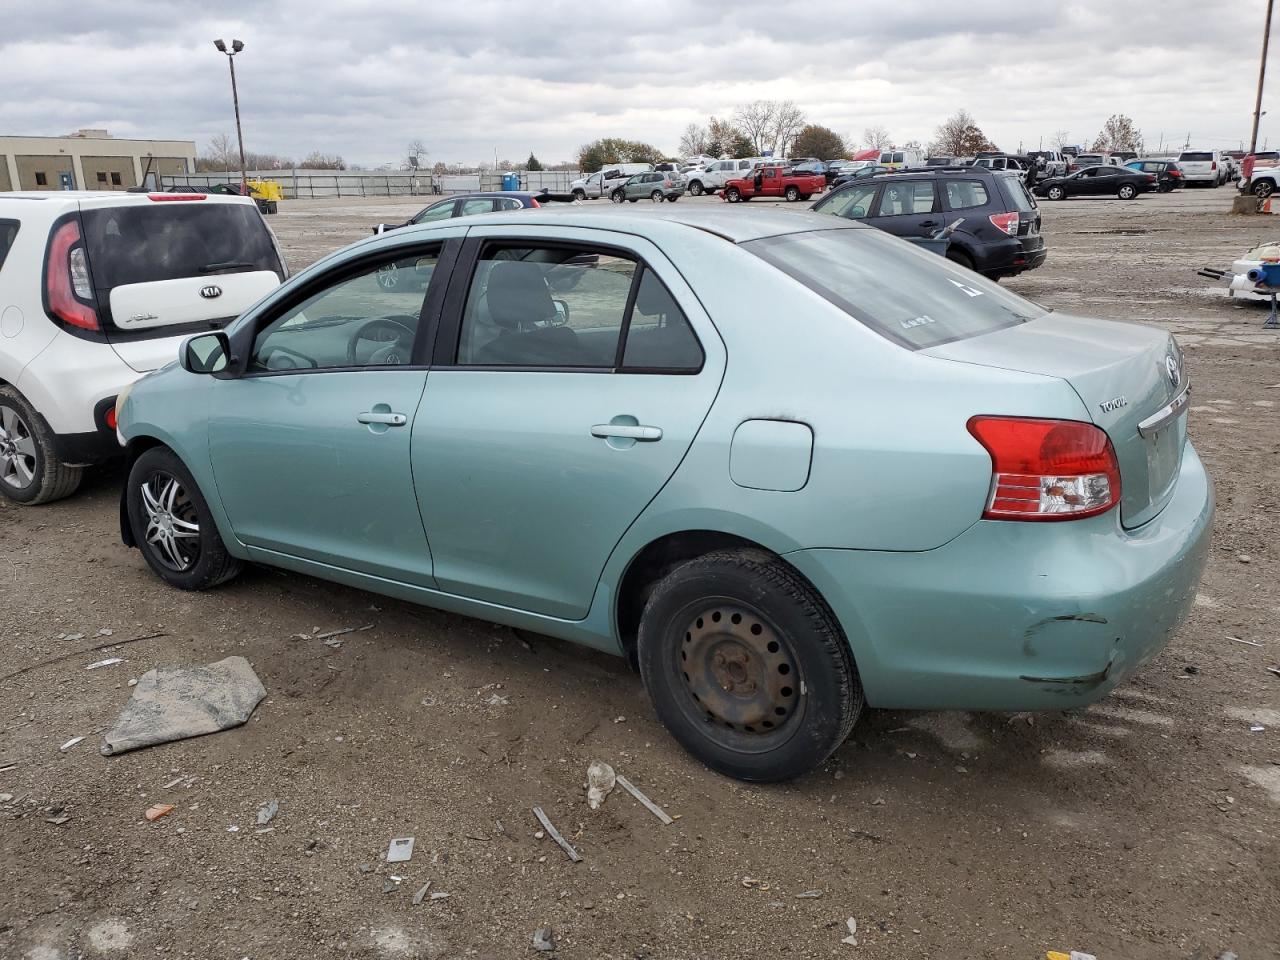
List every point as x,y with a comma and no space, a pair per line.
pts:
901,159
602,182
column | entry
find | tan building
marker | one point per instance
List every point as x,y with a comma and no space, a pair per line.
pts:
89,160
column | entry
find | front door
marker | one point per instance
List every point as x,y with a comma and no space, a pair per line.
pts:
555,410
310,445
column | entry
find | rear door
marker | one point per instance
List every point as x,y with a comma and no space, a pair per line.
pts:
908,208
572,371
175,266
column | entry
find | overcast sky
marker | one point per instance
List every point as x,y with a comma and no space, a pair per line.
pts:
468,76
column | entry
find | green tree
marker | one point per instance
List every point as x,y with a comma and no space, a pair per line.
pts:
594,155
532,163
818,141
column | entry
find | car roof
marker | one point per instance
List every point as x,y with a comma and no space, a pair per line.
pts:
735,225
519,194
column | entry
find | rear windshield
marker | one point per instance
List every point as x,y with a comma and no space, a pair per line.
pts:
1198,156
1016,193
907,294
170,241
8,233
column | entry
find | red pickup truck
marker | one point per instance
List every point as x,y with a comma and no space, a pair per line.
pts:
774,182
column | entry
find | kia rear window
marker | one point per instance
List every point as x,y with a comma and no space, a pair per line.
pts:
908,295
1196,156
8,233
174,240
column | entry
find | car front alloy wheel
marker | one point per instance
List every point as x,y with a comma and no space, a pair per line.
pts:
1057,193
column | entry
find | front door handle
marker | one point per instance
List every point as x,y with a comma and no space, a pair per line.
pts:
386,419
626,431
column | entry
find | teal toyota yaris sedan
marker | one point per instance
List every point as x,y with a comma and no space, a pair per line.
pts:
787,464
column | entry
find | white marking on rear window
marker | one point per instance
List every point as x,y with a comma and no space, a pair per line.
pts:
966,289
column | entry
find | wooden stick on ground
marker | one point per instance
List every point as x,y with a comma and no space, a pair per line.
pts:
565,845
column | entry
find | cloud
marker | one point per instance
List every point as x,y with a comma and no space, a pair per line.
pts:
363,79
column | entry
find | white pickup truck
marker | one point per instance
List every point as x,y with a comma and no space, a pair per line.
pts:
714,175
1202,166
601,183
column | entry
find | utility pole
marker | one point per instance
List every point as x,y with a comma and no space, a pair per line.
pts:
1262,74
236,47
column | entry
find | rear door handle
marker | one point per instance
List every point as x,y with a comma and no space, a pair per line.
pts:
624,431
389,419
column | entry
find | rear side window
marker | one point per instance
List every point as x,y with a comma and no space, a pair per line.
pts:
169,241
8,234
1196,156
963,194
659,336
911,296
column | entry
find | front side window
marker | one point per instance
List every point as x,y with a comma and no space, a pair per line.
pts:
963,194
545,307
903,198
366,320
905,294
853,203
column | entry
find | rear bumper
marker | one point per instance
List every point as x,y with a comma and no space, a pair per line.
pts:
1019,616
82,448
1011,255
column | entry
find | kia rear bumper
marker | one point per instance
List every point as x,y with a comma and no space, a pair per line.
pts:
1016,615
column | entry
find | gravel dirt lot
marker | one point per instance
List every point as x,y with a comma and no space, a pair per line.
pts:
1144,827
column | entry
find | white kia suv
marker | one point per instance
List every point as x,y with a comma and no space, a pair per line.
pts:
96,289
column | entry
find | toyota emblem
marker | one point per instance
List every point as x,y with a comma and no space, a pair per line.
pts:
211,292
1171,367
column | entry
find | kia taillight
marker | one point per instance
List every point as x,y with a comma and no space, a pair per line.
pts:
1047,469
67,281
1005,222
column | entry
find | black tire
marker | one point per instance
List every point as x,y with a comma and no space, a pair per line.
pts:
747,619
960,259
617,196
1263,189
579,194
733,195
1127,191
792,194
656,196
805,196
673,198
30,471
695,188
1056,193
633,199
207,562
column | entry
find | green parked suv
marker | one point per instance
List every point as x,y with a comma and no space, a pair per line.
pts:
654,186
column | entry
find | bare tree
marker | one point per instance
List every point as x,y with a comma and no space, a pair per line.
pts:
1061,138
694,140
1118,133
416,151
787,121
222,152
960,136
877,138
757,121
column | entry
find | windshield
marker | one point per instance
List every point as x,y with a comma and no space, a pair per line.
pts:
170,241
905,293
1196,156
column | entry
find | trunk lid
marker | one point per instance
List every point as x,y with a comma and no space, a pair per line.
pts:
1124,373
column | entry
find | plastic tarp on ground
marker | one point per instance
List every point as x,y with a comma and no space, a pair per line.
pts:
174,703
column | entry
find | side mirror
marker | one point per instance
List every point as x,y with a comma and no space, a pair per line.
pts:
207,353
562,313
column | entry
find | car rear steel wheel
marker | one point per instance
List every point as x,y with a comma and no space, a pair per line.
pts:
172,521
792,194
617,196
1056,193
733,194
579,195
656,196
18,451
696,188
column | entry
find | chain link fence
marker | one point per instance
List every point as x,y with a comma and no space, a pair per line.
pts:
316,184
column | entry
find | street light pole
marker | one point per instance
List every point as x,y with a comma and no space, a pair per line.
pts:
236,47
1262,73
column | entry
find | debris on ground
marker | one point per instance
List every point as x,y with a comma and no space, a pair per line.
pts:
173,703
555,834
1275,670
109,662
648,804
809,895
172,783
268,813
69,744
56,815
544,940
400,850
851,939
1073,955
388,885
439,896
1252,643
422,893
159,810
317,635
600,782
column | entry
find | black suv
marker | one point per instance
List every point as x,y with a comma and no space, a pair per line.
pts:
1000,232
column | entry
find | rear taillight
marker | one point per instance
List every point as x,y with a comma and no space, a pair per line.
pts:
1047,469
534,203
666,183
66,276
1174,173
1213,165
1005,222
